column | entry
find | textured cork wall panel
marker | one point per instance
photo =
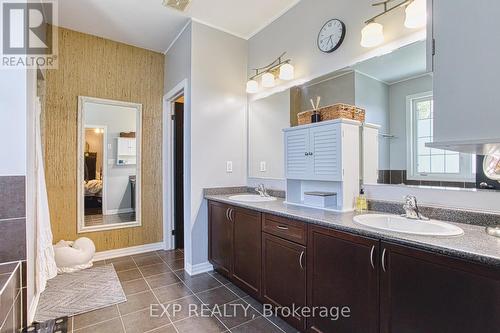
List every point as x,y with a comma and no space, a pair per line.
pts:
96,67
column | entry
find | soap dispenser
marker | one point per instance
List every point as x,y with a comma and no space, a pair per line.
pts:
361,202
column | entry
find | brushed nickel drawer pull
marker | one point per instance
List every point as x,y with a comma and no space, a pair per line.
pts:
383,260
300,260
371,256
281,227
227,214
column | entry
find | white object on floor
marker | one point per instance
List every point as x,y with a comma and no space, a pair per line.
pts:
74,256
45,265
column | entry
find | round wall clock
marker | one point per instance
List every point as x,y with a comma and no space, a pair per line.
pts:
331,35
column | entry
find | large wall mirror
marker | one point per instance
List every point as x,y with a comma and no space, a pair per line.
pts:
109,164
396,90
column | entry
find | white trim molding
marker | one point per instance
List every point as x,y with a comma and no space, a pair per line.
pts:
127,251
199,268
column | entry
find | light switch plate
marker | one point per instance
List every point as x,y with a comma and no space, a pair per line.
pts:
263,166
229,166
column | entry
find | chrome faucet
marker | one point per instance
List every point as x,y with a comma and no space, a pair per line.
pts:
262,190
411,209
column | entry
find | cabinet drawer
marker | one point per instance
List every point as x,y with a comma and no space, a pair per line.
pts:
285,228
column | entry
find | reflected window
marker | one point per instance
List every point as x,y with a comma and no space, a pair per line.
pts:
429,163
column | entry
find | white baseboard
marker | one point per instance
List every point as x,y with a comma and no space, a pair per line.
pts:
119,211
199,268
32,308
127,251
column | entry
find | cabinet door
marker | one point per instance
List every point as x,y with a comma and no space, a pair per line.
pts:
247,249
424,292
220,231
296,158
284,275
343,272
466,70
326,147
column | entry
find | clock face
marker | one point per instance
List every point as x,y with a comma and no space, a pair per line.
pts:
331,36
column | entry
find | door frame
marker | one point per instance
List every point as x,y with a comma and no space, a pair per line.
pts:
104,174
169,98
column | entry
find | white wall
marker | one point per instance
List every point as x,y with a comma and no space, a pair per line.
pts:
296,32
13,100
218,122
373,96
397,106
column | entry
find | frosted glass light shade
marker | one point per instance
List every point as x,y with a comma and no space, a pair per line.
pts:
287,72
268,80
416,14
252,86
372,35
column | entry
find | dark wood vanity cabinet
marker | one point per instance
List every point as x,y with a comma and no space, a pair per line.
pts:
284,275
235,245
343,271
431,293
388,288
246,249
220,230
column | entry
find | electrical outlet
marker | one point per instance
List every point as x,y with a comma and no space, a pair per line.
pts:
229,166
263,166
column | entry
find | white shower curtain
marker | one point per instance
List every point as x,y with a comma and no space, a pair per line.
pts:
46,267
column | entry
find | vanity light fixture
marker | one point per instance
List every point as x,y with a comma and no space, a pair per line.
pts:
268,80
278,68
416,14
372,35
416,17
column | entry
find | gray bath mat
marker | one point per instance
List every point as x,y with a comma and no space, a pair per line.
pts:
80,292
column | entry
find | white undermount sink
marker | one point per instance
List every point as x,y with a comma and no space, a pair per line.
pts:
403,225
251,198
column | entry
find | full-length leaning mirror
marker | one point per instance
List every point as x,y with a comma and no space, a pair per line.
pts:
109,164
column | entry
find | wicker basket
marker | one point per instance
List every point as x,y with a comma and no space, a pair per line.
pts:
332,112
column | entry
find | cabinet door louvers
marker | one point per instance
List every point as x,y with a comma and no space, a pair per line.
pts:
326,147
297,145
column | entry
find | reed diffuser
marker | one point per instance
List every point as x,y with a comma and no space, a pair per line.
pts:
316,116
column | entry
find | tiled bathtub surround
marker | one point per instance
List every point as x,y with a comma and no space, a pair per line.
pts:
10,297
12,218
396,177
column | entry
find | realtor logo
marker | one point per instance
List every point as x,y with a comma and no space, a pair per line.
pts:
27,40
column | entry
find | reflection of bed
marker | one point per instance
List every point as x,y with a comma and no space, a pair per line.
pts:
93,197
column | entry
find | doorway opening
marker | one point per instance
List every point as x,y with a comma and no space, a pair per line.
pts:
178,171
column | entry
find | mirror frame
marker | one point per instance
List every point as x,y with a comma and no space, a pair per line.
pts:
81,228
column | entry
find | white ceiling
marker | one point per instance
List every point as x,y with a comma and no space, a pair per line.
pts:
403,63
148,24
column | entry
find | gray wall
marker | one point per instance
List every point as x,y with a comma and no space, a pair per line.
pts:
296,32
373,96
397,106
178,60
218,122
338,89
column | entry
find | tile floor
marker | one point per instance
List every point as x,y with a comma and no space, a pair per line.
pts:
156,278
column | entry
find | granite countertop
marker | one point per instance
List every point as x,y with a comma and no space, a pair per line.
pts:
474,245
